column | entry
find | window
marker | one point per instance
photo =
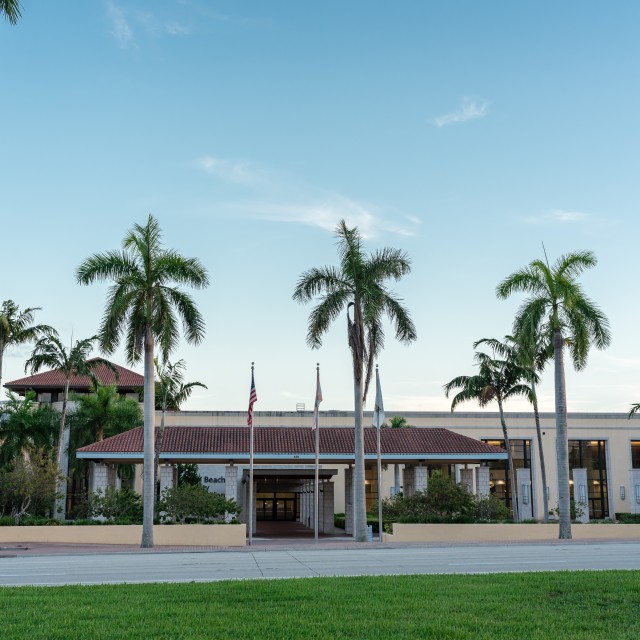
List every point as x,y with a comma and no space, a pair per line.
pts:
499,480
591,455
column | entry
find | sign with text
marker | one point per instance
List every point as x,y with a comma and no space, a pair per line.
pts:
213,477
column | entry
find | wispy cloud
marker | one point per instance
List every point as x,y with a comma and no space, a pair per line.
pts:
283,199
125,24
558,215
470,110
176,29
325,213
236,171
120,28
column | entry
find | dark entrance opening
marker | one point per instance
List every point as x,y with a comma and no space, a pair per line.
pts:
280,507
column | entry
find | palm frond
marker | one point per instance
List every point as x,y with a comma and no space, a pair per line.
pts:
324,314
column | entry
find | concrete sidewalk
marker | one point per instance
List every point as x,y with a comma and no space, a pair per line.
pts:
11,550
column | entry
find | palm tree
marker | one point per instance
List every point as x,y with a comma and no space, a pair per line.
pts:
497,379
558,305
24,427
170,391
16,328
357,285
11,10
100,414
142,308
532,353
51,353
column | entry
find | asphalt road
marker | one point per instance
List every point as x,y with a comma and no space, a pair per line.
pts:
212,566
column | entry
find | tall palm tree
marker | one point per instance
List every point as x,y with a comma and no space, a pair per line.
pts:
170,391
49,352
11,10
497,379
143,306
16,327
357,285
558,305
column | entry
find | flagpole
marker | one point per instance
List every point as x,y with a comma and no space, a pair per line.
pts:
378,425
251,463
317,473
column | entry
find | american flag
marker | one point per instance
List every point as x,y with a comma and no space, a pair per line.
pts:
316,407
252,398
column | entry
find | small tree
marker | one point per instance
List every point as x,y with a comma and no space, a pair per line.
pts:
195,503
170,392
49,352
29,486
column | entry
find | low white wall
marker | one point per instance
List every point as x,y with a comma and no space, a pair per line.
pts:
507,532
201,535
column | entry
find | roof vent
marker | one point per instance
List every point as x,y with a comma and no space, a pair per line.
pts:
300,407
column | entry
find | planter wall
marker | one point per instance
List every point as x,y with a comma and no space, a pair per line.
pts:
201,535
507,532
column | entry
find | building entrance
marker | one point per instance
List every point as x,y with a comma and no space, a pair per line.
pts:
281,507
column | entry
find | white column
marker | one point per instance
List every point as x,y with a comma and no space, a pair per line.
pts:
396,480
466,479
581,494
634,491
99,477
482,481
408,480
231,483
421,478
166,477
328,494
524,493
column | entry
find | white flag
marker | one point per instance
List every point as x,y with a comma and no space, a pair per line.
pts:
378,410
316,406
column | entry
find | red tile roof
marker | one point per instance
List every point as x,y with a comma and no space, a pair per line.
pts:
421,442
55,379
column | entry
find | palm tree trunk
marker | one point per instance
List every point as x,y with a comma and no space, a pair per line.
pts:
156,462
360,496
543,467
512,476
62,457
357,345
148,489
1,360
562,442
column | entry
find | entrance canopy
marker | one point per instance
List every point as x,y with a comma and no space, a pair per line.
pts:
293,445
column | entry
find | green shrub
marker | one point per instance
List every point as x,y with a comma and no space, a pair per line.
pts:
490,509
122,505
444,501
195,503
628,518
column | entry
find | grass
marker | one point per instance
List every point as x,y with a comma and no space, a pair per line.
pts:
554,605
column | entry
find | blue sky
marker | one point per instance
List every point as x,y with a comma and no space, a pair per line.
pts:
465,133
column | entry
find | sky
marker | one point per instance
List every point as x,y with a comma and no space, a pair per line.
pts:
464,133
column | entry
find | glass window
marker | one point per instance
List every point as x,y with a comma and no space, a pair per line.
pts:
591,455
635,454
499,480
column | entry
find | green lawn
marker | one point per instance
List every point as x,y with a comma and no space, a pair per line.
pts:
535,605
